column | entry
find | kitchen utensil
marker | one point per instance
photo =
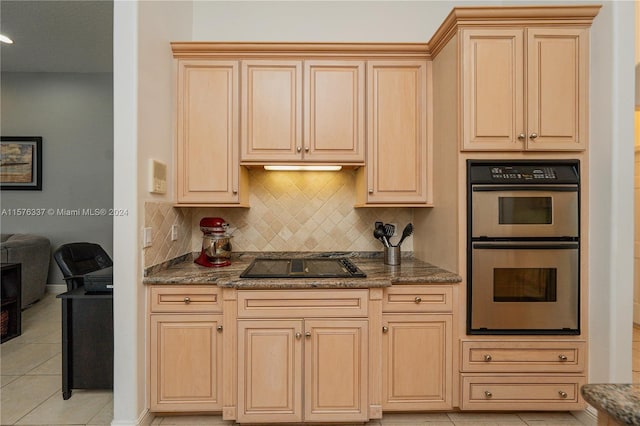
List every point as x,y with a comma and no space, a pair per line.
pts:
379,234
378,225
389,230
408,230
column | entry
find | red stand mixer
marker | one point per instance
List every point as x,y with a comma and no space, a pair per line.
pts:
216,243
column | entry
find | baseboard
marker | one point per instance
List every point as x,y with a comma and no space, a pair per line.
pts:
589,416
55,288
145,419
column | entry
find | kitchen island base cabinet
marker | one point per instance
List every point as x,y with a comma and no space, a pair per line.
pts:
292,370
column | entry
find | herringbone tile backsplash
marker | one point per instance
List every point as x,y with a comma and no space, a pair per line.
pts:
303,211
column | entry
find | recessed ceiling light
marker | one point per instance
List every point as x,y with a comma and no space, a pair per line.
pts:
303,168
5,39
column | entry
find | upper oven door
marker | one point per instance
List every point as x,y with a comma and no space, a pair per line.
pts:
524,211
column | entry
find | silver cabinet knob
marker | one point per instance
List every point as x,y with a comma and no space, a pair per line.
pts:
298,335
487,358
370,191
562,357
307,334
306,149
521,136
187,300
418,299
299,149
235,191
219,328
532,136
488,394
562,394
385,329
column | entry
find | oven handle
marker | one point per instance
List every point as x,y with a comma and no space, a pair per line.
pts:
526,246
486,188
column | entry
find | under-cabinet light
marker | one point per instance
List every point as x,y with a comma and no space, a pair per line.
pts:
303,168
5,39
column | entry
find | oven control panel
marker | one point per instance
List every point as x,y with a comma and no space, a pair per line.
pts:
519,173
526,173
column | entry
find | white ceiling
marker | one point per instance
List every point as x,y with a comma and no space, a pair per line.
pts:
57,36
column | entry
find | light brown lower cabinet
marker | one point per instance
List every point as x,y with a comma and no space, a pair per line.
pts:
185,349
523,374
294,370
185,355
521,392
417,362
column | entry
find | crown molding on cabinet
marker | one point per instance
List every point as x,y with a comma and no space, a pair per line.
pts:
581,15
204,49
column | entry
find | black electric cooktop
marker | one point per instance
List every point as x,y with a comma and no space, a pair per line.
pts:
302,268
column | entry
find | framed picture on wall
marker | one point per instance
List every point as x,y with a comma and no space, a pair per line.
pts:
21,163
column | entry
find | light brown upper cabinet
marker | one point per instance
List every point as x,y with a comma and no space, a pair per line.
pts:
207,149
302,111
525,89
397,150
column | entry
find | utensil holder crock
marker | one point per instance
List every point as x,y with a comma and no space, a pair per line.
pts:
392,255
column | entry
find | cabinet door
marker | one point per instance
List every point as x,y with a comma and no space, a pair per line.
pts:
334,94
397,132
208,132
336,370
417,354
557,88
271,110
186,355
269,371
493,89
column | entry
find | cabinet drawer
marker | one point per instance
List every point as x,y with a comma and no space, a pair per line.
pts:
523,356
185,299
302,303
507,392
418,299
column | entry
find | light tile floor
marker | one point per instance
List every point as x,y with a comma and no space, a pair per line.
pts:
31,391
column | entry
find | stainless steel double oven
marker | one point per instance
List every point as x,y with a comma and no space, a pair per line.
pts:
523,247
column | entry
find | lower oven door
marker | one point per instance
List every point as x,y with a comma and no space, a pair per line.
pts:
524,288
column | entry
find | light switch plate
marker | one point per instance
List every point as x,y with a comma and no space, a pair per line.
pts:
147,237
157,177
174,232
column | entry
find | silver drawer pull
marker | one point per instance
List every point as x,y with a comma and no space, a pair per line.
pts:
562,357
187,300
487,358
488,394
418,299
562,394
219,328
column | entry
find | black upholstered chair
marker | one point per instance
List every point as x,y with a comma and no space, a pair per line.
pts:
77,259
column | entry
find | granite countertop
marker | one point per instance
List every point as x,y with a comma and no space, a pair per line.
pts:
620,401
410,271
